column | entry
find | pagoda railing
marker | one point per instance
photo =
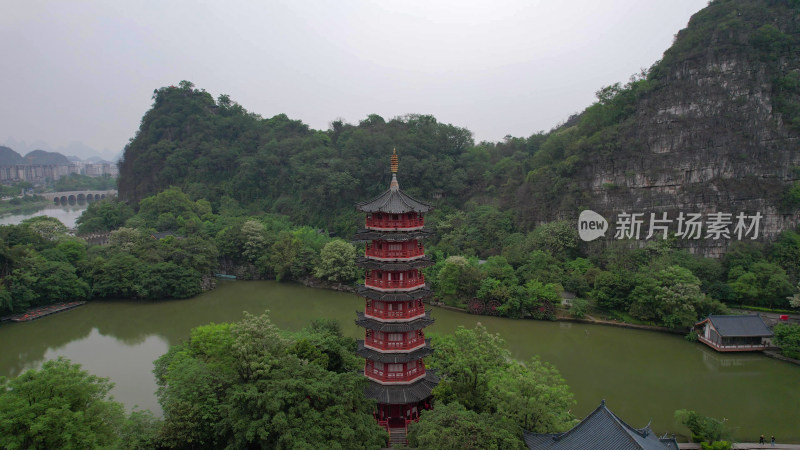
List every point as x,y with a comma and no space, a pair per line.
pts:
397,285
375,253
384,424
411,313
389,377
388,224
382,344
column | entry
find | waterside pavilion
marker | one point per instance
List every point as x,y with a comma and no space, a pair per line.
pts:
742,333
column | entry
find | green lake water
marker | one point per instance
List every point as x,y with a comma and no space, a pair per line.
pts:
642,375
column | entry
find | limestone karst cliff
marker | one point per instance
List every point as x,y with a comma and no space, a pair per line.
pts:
713,127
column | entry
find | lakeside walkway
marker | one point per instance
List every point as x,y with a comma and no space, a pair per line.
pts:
743,446
43,311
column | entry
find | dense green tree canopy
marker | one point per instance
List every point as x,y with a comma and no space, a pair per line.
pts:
787,337
58,406
104,216
477,372
337,262
453,427
247,385
703,428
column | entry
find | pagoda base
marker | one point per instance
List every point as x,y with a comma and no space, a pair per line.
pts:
400,405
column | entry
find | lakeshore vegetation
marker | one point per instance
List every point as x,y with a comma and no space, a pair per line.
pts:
172,245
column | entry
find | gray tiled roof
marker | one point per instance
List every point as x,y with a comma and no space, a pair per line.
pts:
375,355
406,296
394,236
165,234
600,430
367,263
403,393
393,201
669,443
744,325
393,327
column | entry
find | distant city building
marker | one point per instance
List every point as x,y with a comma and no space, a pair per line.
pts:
36,173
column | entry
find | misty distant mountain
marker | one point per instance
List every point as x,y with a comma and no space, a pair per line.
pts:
41,157
93,159
79,149
9,157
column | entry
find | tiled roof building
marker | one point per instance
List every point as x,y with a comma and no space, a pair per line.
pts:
734,333
600,430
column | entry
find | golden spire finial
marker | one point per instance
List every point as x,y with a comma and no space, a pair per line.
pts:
393,185
394,160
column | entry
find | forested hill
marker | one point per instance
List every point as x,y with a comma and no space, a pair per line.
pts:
41,157
711,127
9,157
219,151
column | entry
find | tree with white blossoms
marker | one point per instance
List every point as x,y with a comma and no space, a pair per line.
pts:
255,240
336,262
794,300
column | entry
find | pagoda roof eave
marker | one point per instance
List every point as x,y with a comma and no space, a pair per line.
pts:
404,393
416,294
393,327
383,357
419,263
393,201
366,235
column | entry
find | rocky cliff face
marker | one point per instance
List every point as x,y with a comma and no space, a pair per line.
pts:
711,136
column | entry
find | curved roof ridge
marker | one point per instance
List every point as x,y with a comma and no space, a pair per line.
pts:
622,425
558,437
643,432
600,429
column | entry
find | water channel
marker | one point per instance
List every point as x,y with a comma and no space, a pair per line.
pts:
642,375
67,214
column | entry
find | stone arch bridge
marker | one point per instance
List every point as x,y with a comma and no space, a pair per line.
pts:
73,197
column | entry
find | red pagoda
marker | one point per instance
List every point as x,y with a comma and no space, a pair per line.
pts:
394,344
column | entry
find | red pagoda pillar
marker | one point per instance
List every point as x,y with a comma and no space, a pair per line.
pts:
394,344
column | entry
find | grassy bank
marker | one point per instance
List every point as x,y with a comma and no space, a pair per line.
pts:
21,205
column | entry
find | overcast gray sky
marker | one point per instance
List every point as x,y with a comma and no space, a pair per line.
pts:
85,71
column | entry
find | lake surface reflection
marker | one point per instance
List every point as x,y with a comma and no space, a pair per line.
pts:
67,214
